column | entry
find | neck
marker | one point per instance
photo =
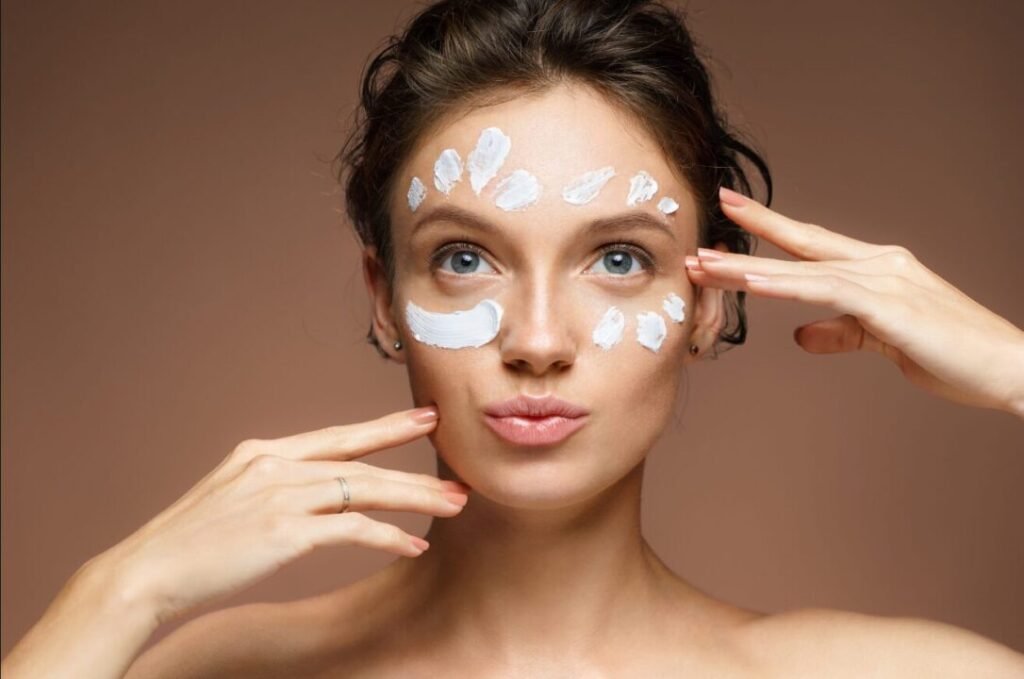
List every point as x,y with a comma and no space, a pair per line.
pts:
570,578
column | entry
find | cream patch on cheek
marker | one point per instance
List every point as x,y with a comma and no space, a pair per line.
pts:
674,307
585,188
609,329
642,188
447,171
417,192
457,330
486,159
650,329
517,191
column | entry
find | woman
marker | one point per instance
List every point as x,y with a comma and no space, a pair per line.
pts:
531,182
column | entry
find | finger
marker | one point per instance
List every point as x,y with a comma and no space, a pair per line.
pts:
842,293
735,264
348,441
353,528
800,239
366,492
276,469
834,335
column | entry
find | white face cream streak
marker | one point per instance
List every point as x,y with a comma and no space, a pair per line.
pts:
517,191
585,188
447,171
642,188
457,330
674,307
650,329
417,192
609,329
486,159
667,205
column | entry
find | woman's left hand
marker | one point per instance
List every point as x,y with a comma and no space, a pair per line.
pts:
941,339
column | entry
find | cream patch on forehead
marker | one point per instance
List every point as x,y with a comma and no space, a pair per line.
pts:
517,191
417,192
487,157
675,307
642,188
650,330
457,330
668,205
609,329
447,170
585,188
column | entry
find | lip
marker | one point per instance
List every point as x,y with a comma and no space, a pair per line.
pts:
532,421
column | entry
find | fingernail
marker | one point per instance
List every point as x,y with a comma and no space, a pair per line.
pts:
730,197
692,262
423,415
755,277
704,253
457,499
420,543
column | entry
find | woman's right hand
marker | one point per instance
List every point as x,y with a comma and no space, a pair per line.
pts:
272,501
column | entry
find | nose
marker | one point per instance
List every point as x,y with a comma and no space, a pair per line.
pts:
536,337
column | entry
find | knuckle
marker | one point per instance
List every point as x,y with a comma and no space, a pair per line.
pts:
900,258
264,466
248,449
394,534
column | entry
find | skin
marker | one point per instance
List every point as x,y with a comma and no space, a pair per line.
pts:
563,524
545,572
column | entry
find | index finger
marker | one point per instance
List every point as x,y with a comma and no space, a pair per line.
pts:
350,441
800,239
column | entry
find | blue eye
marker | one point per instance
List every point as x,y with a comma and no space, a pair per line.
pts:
464,258
619,258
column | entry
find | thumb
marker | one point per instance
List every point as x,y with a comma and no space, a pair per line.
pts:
833,335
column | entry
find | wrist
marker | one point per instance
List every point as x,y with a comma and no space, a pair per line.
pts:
118,591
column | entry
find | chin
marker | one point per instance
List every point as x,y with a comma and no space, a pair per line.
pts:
553,477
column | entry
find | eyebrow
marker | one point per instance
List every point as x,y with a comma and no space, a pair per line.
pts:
457,215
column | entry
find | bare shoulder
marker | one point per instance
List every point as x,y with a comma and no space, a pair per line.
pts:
820,641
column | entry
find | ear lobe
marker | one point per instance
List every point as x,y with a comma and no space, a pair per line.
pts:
379,289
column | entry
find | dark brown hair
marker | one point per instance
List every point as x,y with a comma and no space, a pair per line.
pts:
458,54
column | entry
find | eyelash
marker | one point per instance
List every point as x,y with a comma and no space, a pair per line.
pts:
445,250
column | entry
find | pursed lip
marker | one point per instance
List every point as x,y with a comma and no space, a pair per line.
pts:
532,421
532,406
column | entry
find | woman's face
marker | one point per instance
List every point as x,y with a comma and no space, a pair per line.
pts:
554,277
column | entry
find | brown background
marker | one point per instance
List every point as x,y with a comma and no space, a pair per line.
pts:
177,277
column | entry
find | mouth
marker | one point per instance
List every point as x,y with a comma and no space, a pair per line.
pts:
531,421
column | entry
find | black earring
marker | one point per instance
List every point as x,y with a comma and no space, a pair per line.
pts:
694,349
398,345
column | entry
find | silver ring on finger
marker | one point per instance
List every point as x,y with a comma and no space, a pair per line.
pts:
344,489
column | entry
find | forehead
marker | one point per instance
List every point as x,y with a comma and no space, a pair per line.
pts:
556,135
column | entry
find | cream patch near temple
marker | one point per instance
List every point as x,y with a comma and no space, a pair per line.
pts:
642,188
486,159
650,329
585,188
447,170
609,329
517,191
457,330
674,307
417,192
667,205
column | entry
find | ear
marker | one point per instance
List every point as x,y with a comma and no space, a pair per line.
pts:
379,289
709,317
